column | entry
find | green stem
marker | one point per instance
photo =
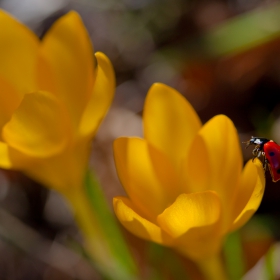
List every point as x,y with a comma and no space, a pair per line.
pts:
234,257
212,268
96,243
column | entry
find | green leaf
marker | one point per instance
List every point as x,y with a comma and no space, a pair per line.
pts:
109,225
173,268
237,34
245,31
234,256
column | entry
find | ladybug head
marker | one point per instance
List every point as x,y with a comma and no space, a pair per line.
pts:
256,141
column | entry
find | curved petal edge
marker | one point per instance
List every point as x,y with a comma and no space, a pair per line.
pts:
137,224
256,197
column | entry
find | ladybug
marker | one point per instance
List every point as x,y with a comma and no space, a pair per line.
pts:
270,152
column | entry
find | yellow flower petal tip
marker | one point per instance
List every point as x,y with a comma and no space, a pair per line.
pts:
251,193
102,96
165,111
53,101
18,46
185,181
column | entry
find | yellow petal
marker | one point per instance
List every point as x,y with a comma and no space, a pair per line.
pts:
250,193
190,211
18,54
101,98
5,161
10,99
61,172
200,242
13,159
67,50
195,221
38,127
45,77
146,175
170,122
196,168
223,151
137,224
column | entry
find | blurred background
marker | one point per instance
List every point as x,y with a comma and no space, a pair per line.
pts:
223,56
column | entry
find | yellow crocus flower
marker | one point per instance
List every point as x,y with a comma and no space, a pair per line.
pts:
185,184
53,95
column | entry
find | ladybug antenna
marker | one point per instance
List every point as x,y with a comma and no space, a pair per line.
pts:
248,143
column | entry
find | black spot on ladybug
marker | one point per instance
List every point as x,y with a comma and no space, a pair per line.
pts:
278,171
272,154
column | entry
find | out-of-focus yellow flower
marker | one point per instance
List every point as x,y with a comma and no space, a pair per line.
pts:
53,95
185,184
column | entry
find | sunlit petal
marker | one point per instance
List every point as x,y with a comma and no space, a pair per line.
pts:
170,122
38,127
144,172
67,51
18,54
101,98
250,193
190,211
222,147
137,224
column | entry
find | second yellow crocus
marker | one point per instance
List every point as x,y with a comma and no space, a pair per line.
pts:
184,182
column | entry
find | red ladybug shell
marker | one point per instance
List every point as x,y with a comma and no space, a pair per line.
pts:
272,154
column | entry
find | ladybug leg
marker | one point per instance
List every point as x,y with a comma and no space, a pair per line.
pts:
256,152
265,164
